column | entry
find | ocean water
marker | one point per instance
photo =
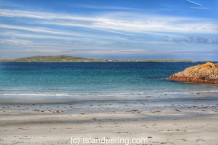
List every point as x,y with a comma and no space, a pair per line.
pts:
71,82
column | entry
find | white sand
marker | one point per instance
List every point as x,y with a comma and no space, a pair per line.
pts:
26,124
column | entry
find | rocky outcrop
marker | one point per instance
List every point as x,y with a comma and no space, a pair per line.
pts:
204,73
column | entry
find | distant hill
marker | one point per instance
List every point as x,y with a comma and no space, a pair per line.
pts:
59,58
64,58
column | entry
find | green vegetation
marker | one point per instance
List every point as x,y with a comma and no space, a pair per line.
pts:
60,58
64,58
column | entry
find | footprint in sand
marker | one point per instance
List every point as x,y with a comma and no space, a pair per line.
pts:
198,140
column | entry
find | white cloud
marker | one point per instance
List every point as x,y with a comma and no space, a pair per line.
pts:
15,42
158,26
201,40
120,23
20,35
34,29
41,15
195,3
88,6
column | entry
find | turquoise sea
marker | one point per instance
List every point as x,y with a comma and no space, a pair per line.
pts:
74,82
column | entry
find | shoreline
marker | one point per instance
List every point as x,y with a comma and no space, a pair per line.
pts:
118,61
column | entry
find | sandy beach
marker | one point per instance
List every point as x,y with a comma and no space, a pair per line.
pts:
108,72
56,124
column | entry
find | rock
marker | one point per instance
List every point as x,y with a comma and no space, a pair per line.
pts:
204,73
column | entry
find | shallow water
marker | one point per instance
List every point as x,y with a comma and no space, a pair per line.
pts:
69,82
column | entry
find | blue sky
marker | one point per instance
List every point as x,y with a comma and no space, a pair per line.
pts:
110,29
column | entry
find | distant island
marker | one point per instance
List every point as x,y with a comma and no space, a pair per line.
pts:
64,58
59,58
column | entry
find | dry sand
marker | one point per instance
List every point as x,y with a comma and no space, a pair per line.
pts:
57,124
